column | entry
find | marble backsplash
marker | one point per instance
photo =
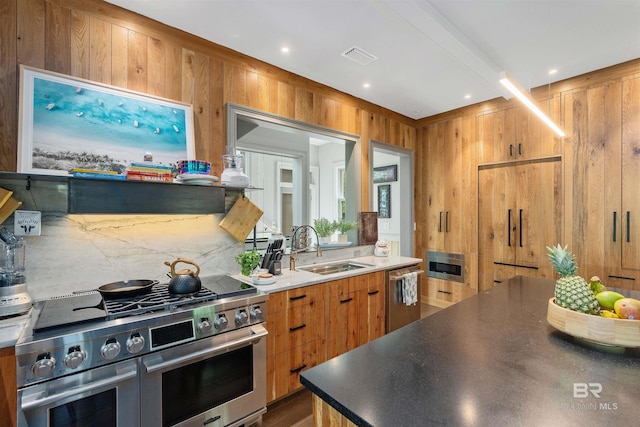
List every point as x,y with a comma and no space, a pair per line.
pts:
82,252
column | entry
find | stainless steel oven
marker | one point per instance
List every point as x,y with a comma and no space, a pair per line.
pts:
444,265
151,360
218,381
105,396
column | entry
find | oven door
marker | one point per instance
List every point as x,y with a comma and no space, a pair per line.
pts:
216,381
104,397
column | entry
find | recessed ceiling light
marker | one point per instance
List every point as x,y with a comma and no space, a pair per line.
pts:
552,71
366,85
467,96
284,49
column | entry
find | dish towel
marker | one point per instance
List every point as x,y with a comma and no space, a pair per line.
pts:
410,288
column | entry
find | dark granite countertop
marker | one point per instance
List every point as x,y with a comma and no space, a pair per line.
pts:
490,360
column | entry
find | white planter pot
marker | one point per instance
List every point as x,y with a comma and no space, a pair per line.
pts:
342,238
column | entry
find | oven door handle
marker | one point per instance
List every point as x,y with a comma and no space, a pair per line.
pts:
133,373
257,332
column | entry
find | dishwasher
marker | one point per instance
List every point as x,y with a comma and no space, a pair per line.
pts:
397,312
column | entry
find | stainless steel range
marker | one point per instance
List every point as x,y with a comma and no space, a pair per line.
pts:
155,359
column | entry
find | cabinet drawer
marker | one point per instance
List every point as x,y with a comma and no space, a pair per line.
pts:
302,326
306,295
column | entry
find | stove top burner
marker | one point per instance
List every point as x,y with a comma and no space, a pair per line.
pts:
159,299
91,306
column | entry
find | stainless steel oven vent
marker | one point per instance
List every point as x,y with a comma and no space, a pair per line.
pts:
359,55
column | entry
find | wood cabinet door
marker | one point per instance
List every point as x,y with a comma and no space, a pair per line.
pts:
630,211
341,320
371,320
435,190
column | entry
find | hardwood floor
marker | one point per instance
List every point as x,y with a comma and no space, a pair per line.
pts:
296,410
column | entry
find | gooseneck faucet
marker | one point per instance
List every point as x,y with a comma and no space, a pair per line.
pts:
301,243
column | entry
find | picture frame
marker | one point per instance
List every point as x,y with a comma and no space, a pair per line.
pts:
67,122
368,229
385,174
384,201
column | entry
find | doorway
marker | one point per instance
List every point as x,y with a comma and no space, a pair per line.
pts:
396,223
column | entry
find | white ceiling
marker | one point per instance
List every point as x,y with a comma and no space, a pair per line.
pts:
430,53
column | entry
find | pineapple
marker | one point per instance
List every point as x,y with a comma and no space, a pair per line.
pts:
572,291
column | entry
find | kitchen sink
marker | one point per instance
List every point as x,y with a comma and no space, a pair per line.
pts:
335,267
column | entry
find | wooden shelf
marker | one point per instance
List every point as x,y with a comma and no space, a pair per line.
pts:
105,196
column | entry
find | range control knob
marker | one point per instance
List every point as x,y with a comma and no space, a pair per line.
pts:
110,349
204,326
221,322
241,317
74,357
256,314
43,366
134,343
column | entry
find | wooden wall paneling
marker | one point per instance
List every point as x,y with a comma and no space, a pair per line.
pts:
173,71
137,61
57,38
217,125
188,76
235,80
201,106
252,89
99,63
566,108
286,100
80,46
9,82
631,173
263,91
30,25
119,55
156,68
304,100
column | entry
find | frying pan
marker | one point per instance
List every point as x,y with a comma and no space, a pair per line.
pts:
127,288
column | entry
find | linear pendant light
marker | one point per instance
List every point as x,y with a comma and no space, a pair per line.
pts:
508,82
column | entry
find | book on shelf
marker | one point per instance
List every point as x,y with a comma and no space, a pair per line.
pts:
150,170
148,165
146,176
93,171
92,175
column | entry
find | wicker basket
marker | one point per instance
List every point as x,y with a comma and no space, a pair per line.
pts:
601,330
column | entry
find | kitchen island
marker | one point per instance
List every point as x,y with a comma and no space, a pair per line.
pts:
491,359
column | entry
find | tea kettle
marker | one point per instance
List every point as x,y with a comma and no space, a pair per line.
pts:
184,281
382,249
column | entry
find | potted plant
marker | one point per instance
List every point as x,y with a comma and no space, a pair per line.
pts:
342,227
324,228
248,261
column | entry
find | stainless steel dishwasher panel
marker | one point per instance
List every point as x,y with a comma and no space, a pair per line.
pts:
397,313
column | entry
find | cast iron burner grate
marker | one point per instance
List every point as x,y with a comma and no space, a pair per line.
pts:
159,299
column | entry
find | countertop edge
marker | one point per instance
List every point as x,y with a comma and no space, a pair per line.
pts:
295,279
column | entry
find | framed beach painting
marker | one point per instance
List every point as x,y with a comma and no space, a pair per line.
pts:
68,123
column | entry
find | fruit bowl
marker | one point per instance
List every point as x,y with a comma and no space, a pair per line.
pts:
597,329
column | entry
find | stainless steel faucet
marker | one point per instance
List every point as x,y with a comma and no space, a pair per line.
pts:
296,244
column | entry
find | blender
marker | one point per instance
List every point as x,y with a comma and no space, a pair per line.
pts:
14,298
233,174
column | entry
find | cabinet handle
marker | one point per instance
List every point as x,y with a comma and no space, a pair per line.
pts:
297,327
628,226
621,277
446,222
510,149
440,223
295,371
509,227
520,149
372,292
520,228
342,301
615,226
298,297
444,292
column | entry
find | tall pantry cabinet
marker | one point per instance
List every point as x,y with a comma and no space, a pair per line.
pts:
519,194
450,202
606,205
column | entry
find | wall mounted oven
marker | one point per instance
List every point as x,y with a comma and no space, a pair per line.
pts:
444,265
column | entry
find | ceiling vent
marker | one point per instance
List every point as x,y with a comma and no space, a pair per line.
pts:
359,55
